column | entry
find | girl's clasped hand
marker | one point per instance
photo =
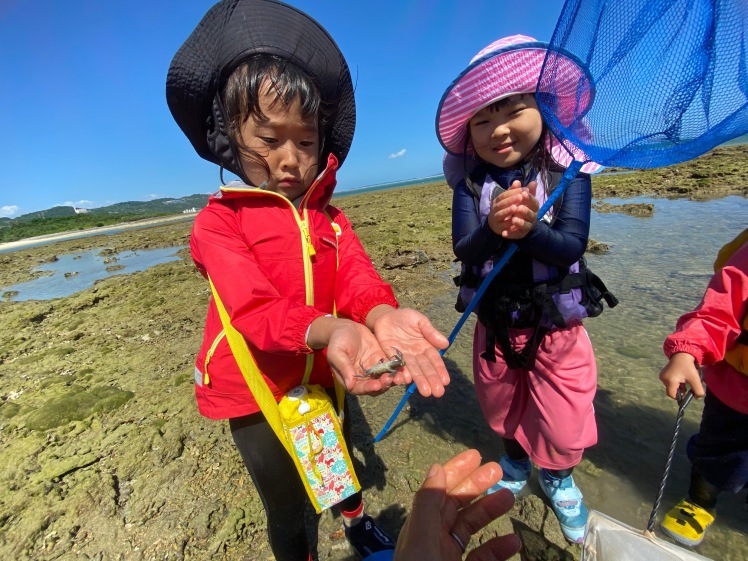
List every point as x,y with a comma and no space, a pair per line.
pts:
514,212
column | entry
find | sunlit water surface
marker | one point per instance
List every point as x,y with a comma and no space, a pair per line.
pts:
73,272
658,268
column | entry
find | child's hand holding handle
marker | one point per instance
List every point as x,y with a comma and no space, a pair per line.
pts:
679,372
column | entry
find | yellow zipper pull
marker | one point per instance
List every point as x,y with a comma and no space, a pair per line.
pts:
307,235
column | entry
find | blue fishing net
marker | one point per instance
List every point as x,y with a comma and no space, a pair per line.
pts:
669,79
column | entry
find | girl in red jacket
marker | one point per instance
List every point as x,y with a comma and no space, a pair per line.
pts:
263,91
715,336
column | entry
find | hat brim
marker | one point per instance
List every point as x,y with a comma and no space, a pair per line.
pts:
563,157
229,33
512,70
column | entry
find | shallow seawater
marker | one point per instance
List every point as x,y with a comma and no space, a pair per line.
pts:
658,268
73,272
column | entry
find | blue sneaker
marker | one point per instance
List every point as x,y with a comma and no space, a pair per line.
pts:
515,475
566,500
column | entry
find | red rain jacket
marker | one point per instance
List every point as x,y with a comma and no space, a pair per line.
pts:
712,329
276,269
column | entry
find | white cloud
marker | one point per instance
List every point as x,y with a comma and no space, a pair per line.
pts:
399,154
9,210
83,203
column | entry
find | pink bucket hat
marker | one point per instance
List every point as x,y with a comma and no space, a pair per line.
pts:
511,66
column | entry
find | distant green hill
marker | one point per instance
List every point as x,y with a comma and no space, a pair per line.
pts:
156,207
65,218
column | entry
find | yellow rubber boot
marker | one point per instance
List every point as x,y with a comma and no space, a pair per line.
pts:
686,523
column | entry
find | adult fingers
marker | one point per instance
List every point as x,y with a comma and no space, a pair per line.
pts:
483,511
420,536
500,548
458,467
466,478
430,497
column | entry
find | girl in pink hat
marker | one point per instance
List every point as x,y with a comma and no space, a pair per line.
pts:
533,364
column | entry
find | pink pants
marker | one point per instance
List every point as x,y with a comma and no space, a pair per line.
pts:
549,409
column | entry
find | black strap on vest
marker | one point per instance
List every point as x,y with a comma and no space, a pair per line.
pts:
534,307
742,338
532,302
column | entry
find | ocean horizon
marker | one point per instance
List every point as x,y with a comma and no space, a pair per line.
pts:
439,177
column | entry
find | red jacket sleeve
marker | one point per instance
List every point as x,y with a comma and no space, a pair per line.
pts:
711,329
358,288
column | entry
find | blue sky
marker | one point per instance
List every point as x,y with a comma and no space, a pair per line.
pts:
86,122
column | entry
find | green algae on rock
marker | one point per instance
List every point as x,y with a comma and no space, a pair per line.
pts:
75,405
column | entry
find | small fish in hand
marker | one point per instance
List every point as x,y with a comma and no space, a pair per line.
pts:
383,367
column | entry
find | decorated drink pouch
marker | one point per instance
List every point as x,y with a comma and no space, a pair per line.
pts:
318,449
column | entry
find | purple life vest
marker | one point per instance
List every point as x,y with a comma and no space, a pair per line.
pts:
569,303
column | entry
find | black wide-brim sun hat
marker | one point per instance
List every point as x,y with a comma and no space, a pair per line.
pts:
231,32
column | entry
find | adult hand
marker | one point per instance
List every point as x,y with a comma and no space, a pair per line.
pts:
680,372
410,332
443,508
514,212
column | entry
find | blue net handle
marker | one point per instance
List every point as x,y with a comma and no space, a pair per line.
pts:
570,173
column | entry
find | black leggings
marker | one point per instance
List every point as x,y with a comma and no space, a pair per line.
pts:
279,484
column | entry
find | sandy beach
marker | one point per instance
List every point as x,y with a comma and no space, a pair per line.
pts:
62,236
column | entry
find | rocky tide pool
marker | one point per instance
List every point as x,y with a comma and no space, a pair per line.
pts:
104,456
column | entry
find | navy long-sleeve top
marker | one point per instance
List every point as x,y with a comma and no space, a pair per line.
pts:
560,245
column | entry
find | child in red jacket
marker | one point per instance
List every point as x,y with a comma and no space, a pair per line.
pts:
262,90
715,336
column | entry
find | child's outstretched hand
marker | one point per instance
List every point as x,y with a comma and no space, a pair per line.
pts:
679,372
514,212
350,345
410,332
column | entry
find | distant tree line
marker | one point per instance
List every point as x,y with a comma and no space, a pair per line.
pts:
14,230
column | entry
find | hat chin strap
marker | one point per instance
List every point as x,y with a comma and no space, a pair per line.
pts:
220,142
